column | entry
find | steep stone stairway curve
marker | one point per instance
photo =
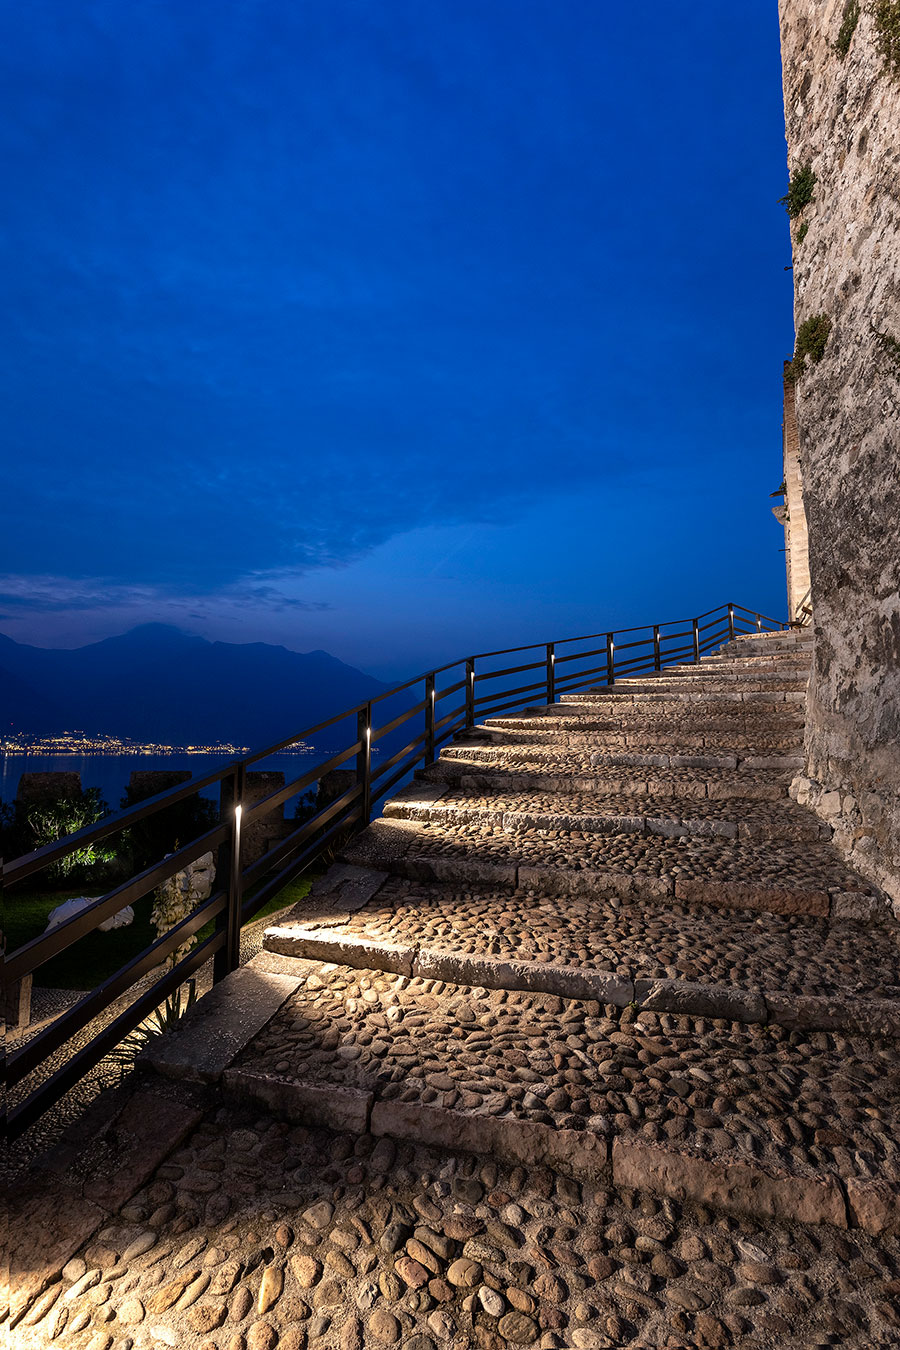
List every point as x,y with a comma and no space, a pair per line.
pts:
638,964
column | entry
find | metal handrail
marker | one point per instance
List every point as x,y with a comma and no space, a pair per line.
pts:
350,811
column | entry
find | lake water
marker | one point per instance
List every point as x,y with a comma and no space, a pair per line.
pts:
110,773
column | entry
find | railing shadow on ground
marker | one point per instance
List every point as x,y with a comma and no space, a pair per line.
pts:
435,706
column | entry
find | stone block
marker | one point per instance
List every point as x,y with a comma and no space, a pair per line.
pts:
344,950
44,788
326,1104
146,1130
576,1152
700,1000
468,871
220,1024
862,906
835,1012
573,982
749,895
737,1187
874,1206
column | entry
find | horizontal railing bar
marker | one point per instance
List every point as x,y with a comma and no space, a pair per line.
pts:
443,721
40,949
756,614
400,773
578,676
507,693
22,1062
676,656
501,707
580,656
670,637
639,642
416,679
299,864
512,670
396,758
298,836
388,727
68,1074
268,804
587,637
635,663
450,689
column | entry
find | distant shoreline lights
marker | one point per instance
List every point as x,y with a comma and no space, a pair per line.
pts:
81,743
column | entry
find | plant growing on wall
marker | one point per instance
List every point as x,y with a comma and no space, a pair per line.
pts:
800,191
802,231
889,345
847,29
886,14
812,338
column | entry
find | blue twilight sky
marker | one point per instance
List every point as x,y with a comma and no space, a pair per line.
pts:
395,327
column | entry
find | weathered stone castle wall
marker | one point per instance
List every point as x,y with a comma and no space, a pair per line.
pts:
792,513
843,119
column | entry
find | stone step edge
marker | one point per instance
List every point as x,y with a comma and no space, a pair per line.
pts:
619,693
515,780
687,1176
796,1012
614,759
630,886
659,825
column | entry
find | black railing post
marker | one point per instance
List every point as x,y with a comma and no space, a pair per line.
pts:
657,664
429,718
228,957
610,659
731,622
364,759
551,672
695,626
470,691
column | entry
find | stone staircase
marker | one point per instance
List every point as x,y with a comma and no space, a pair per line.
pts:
600,935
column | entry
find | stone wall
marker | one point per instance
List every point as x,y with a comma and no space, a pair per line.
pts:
843,118
793,513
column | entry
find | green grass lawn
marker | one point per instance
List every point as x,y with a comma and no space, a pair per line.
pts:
93,958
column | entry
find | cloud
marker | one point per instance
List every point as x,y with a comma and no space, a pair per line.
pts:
24,597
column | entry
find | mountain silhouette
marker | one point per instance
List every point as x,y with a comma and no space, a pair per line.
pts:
157,683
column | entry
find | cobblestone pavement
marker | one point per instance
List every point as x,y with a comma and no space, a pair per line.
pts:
805,1102
635,854
617,837
659,938
256,1234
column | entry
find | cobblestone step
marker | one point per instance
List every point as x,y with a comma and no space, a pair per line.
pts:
752,1119
605,813
632,718
695,677
779,877
478,753
662,956
676,695
573,774
650,735
735,743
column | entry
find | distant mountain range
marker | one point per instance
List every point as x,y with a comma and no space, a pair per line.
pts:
157,683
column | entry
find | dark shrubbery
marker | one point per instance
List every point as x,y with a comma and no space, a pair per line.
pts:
800,191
